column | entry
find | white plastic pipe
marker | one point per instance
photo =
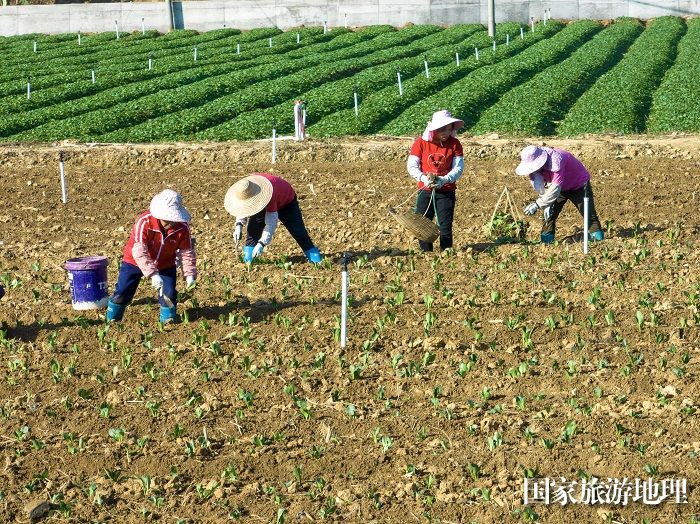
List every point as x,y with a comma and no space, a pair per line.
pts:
35,46
398,74
344,305
357,110
238,48
325,27
93,76
585,225
532,23
143,26
195,54
522,33
545,17
116,28
79,38
297,117
274,145
150,63
29,89
346,20
476,52
427,71
494,46
298,38
270,41
457,57
61,169
507,38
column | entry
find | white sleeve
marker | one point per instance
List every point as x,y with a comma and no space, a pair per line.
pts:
241,220
271,219
537,182
413,166
456,171
550,196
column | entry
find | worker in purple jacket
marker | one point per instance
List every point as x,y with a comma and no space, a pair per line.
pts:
557,176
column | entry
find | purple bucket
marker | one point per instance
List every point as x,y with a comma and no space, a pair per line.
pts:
88,282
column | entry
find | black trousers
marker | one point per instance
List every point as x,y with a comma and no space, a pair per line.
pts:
575,196
290,216
444,205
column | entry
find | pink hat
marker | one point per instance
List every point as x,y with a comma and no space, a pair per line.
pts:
440,119
532,158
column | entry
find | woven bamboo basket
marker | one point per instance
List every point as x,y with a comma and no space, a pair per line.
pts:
419,226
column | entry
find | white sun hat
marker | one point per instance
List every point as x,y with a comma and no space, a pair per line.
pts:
248,196
167,205
533,158
440,119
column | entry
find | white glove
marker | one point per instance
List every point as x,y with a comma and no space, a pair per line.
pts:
258,249
427,180
438,182
548,212
157,282
531,209
189,280
238,233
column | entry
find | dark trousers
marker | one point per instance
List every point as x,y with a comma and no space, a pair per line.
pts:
575,196
290,216
130,277
444,204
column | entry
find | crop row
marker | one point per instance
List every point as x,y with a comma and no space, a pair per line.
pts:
166,100
187,122
227,72
675,104
468,97
533,107
381,106
619,101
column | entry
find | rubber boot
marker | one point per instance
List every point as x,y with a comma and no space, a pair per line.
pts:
313,255
168,314
115,312
547,238
597,236
248,254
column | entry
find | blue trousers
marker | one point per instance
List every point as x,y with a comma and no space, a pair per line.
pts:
130,277
290,216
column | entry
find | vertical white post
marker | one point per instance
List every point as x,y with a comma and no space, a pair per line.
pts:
532,23
35,46
427,71
344,302
325,27
346,20
494,46
507,38
357,109
457,57
522,33
64,193
93,76
195,54
585,224
274,144
549,14
545,17
116,28
398,74
476,52
270,41
296,120
303,122
150,63
143,26
298,38
238,48
79,43
29,88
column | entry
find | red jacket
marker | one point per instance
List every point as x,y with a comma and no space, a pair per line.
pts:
151,249
437,158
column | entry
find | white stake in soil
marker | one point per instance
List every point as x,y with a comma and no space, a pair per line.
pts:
62,172
143,26
357,110
494,46
195,54
79,43
35,46
238,48
150,63
585,223
457,57
427,71
116,28
346,20
299,120
344,301
522,33
507,38
476,52
270,41
532,23
93,76
29,88
398,75
325,27
298,38
544,20
274,143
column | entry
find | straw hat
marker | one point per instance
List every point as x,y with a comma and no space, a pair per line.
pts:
419,226
248,196
167,205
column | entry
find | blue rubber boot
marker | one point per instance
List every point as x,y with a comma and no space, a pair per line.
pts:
168,314
313,255
547,238
248,254
115,312
597,236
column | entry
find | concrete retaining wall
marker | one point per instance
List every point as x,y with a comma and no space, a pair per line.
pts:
248,14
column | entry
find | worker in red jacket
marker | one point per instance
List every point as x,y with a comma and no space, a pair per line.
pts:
158,237
436,162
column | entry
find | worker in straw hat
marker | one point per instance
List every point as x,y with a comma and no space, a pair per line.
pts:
158,237
263,200
436,162
557,176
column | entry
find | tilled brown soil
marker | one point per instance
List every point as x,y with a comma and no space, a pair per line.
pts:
464,372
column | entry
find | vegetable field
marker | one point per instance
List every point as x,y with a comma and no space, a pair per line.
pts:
552,78
465,372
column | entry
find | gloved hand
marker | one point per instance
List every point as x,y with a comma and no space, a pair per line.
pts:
258,249
427,180
548,212
438,182
237,233
157,281
190,280
531,209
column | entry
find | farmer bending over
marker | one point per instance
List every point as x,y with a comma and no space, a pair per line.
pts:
557,176
436,162
159,234
262,200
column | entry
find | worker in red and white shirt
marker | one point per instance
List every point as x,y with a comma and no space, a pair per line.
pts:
159,236
262,200
436,162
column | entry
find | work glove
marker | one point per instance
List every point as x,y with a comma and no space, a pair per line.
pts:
531,209
427,180
190,280
438,182
548,212
237,233
157,282
258,249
